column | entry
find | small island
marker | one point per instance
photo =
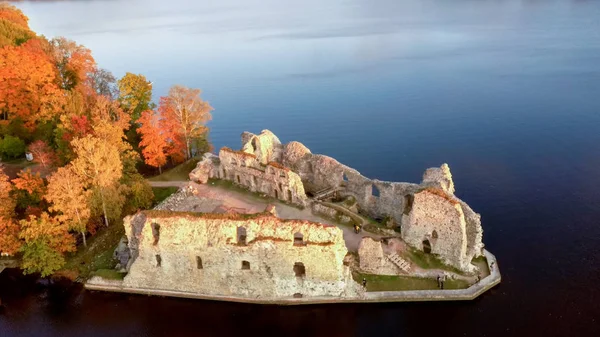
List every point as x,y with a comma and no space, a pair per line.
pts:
274,223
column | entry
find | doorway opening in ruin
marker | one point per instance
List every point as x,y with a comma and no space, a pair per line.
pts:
254,180
276,194
155,232
289,195
241,236
374,191
158,260
408,203
426,246
245,265
238,179
299,239
299,269
199,262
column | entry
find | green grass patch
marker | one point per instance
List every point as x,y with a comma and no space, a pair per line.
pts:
398,283
99,252
109,274
161,193
180,172
429,261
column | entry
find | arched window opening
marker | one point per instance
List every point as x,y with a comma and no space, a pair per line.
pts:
299,239
299,269
426,246
434,234
245,265
241,236
155,232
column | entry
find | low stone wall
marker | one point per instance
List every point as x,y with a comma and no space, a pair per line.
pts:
331,213
470,293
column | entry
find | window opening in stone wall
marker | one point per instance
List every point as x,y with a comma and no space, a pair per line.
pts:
310,168
289,195
434,234
245,265
273,171
276,194
155,232
374,191
408,203
344,176
233,162
254,145
243,164
299,269
299,239
254,180
238,179
199,262
280,187
241,236
224,174
426,246
282,174
158,260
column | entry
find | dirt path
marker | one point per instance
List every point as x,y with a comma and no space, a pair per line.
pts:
168,183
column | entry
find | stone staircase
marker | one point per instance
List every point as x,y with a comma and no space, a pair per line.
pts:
400,262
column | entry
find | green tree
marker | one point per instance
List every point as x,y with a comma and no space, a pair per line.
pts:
135,94
12,147
46,240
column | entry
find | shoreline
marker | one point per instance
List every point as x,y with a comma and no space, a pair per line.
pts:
474,291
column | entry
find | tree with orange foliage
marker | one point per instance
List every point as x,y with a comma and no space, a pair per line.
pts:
42,153
9,236
9,230
185,114
98,164
27,84
30,182
74,63
154,141
46,240
29,189
69,199
7,203
14,29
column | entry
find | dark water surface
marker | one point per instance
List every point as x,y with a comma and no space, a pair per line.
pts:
506,92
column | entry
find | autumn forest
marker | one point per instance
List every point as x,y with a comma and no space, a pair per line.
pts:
93,139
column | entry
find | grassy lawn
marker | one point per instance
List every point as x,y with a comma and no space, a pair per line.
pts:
109,274
99,252
161,193
397,283
429,261
178,173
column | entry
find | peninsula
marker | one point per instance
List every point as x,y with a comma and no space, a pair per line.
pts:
274,223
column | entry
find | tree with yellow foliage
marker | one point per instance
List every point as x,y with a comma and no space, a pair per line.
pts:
135,94
98,164
68,198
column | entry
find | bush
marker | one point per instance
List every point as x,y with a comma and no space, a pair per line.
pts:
12,147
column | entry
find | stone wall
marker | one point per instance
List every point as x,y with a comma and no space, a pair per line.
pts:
437,222
372,259
245,169
377,199
204,253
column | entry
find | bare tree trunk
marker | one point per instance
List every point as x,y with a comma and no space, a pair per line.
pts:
84,242
160,170
104,208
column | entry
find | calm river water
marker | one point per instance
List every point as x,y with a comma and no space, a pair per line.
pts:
506,92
